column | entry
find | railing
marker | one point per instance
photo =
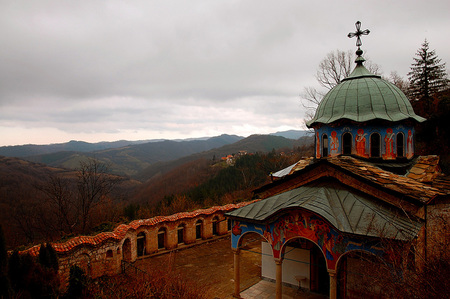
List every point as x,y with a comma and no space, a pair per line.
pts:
127,265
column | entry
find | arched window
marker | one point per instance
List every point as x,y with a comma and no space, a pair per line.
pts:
162,238
347,143
140,244
215,224
324,145
180,232
400,142
375,145
198,229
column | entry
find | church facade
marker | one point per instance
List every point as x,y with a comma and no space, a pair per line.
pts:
365,197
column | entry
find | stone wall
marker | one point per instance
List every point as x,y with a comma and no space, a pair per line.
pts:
104,254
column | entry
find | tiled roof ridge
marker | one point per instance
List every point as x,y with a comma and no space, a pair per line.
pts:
426,169
121,230
399,183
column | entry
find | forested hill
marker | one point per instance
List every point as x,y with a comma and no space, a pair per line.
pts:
186,185
20,151
27,150
28,215
131,159
251,144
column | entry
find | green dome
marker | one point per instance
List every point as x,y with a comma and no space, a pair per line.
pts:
363,97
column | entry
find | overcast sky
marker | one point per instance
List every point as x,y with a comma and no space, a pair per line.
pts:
109,70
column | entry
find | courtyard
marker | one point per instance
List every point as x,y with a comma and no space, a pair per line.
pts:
210,264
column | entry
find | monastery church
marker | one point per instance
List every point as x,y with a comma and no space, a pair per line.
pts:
323,218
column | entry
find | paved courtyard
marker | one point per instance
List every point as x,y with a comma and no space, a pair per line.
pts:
266,290
211,265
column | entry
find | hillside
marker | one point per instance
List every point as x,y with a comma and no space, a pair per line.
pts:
24,213
131,159
20,151
29,215
163,180
251,144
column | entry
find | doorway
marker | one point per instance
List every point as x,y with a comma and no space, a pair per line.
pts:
320,279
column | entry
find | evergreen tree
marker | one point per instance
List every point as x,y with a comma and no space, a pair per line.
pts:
427,76
15,270
48,257
5,287
3,252
77,283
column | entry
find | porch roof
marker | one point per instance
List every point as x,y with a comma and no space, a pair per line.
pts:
347,210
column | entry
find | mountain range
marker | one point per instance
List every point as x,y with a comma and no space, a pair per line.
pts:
138,159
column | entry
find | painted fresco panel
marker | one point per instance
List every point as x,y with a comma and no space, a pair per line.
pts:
361,144
306,225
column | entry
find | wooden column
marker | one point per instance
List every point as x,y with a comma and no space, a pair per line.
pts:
279,279
237,274
333,284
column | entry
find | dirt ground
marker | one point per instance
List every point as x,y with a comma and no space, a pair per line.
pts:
211,265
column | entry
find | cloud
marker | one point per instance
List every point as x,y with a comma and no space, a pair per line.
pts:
200,67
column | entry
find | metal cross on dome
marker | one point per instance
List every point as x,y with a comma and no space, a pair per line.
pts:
358,33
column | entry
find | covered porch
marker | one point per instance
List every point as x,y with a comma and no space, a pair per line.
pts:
326,221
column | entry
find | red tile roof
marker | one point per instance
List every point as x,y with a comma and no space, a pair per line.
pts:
121,230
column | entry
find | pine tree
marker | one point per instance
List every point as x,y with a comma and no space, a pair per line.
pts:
48,257
428,75
77,282
5,287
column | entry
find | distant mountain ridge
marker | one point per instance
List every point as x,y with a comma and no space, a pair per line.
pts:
26,150
131,159
251,144
292,134
128,158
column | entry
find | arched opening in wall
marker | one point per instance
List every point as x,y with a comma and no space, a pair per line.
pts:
251,255
324,145
199,229
180,233
375,145
84,263
109,254
215,226
347,143
305,262
140,246
162,233
361,274
400,142
126,250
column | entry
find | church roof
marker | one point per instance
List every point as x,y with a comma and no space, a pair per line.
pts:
414,185
348,211
405,185
363,97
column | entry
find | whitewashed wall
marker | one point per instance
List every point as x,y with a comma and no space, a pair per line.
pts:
296,263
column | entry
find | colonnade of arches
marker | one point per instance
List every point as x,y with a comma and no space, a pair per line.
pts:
317,244
170,235
319,278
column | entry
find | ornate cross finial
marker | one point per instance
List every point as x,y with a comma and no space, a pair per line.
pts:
358,33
